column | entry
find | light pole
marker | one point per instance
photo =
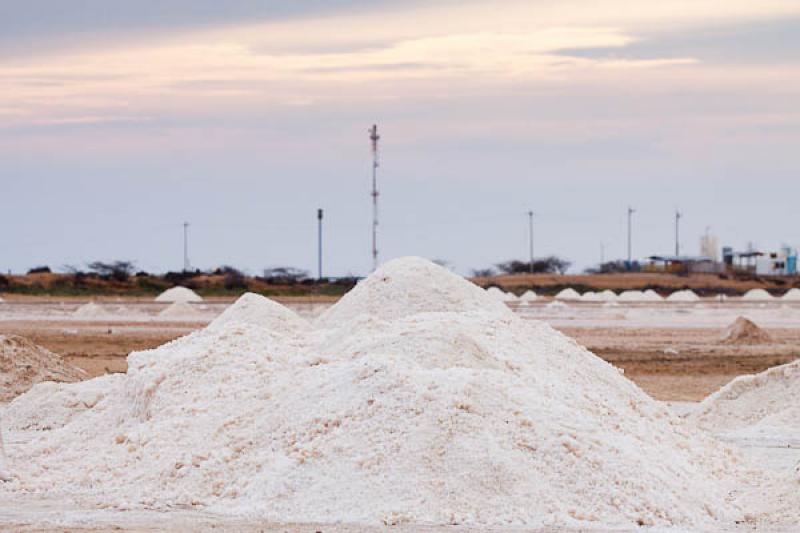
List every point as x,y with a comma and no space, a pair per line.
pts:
319,244
631,211
185,246
530,242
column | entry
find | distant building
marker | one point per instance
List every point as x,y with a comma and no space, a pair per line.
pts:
780,263
683,264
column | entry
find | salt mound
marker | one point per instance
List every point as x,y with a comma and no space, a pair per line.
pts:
407,286
568,294
498,294
179,294
652,296
608,295
686,295
257,310
632,296
757,294
764,404
23,364
556,304
743,331
511,297
434,412
591,296
792,294
180,310
529,296
89,310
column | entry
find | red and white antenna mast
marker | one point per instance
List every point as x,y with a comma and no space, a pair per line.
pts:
374,137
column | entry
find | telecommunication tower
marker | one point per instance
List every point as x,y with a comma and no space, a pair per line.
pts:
374,137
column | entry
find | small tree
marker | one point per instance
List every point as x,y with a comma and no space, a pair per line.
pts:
284,275
547,265
233,278
116,270
44,269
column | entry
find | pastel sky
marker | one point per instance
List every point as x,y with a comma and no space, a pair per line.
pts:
120,120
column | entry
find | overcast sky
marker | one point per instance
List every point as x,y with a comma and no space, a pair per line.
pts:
121,120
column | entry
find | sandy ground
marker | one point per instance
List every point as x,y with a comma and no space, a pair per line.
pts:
672,351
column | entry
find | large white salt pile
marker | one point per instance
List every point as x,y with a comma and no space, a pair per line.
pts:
400,289
568,294
757,295
529,296
258,311
418,400
792,294
179,294
89,310
762,405
686,295
180,311
24,364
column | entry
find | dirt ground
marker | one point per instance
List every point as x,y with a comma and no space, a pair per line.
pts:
685,364
678,364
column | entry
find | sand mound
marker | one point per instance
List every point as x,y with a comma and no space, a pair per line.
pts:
529,296
422,401
744,331
792,294
757,295
89,310
764,404
568,294
180,311
179,294
686,295
407,286
23,364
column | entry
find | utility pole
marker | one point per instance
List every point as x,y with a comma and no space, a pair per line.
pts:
677,233
631,211
319,244
530,234
186,266
374,137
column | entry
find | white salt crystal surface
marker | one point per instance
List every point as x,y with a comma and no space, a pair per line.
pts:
417,398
